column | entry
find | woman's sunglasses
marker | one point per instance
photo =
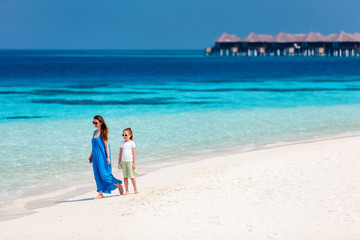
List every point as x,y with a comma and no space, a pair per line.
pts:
124,135
96,123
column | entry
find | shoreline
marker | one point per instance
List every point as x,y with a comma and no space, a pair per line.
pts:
52,194
306,190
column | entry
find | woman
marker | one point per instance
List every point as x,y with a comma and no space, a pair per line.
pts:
100,159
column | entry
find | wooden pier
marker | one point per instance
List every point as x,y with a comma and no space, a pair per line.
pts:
284,44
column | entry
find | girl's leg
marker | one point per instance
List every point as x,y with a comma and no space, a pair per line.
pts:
100,195
126,186
133,180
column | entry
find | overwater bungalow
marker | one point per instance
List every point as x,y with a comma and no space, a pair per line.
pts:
285,44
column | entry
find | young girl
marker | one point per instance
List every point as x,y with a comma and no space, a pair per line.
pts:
127,160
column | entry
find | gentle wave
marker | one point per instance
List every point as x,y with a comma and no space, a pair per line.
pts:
139,101
12,92
256,79
70,92
87,86
49,92
23,117
258,89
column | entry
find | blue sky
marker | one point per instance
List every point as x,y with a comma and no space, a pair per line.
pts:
163,24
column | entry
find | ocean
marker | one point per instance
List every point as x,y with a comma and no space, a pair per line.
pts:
180,104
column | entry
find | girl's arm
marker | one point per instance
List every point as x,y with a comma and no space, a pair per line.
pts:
119,166
107,152
134,158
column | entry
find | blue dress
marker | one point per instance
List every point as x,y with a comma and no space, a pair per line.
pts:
105,181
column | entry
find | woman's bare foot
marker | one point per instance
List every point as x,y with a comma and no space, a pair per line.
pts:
127,193
99,197
136,192
121,189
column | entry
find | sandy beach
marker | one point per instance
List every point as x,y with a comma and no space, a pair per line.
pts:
305,190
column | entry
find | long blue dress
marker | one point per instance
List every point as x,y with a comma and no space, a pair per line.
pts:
102,171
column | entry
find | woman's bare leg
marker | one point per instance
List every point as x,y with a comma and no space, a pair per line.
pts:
101,195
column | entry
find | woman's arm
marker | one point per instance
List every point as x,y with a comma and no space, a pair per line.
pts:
90,158
107,152
134,158
119,166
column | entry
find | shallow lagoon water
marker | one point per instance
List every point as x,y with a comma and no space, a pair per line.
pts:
177,105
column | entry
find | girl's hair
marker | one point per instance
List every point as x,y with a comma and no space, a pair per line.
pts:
130,131
104,129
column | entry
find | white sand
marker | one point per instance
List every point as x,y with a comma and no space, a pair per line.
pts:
300,191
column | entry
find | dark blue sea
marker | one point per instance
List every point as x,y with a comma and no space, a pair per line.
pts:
179,104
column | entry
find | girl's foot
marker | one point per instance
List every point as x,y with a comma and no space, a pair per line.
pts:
121,189
99,197
127,193
136,192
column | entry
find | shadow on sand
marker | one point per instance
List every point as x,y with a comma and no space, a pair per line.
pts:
84,199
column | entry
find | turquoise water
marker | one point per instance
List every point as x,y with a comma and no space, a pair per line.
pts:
177,103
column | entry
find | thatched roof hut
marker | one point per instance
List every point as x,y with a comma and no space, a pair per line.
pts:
356,37
252,37
341,37
223,38
313,37
298,37
282,37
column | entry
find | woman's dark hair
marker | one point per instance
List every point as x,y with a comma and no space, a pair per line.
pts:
104,129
